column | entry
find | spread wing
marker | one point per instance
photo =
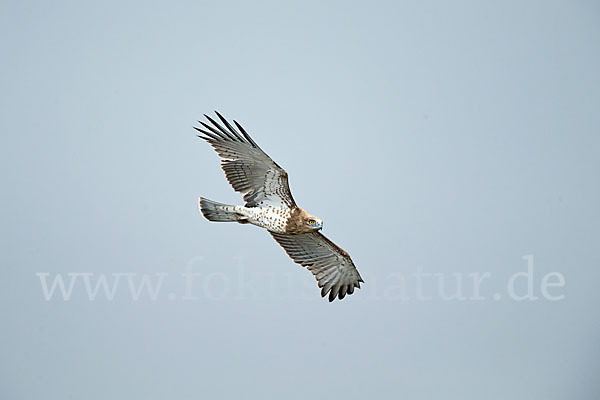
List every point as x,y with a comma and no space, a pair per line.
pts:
247,168
332,267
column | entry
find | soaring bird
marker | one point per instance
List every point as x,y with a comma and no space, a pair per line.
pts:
270,205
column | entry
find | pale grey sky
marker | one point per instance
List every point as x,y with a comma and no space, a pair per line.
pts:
445,138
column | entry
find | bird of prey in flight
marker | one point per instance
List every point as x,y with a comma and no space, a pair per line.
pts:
270,205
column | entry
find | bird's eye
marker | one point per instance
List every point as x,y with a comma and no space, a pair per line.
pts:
311,221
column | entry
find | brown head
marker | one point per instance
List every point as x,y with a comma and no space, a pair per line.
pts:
302,222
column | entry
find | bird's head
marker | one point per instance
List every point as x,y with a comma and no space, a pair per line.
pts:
314,223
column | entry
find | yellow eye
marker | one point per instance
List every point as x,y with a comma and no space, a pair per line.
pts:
311,221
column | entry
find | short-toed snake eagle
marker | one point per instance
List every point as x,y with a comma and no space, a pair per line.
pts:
270,205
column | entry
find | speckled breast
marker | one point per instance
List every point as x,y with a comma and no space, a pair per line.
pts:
273,219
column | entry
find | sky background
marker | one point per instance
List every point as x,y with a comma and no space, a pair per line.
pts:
449,138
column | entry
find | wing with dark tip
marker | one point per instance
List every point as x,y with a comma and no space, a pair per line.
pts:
332,266
247,168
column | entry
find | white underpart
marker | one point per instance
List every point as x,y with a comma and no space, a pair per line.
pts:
271,218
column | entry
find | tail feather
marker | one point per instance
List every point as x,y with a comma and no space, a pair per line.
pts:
217,212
